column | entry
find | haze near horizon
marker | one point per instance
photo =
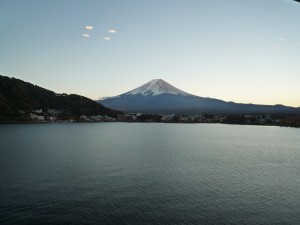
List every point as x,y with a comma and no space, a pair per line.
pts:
241,51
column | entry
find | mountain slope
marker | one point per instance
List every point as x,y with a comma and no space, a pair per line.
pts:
157,96
19,98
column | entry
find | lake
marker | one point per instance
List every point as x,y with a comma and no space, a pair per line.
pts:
149,173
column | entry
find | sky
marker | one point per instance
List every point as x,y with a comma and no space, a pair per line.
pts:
246,51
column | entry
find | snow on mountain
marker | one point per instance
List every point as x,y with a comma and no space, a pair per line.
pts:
156,87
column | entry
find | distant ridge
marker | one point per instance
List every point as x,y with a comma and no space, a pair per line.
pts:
18,99
158,96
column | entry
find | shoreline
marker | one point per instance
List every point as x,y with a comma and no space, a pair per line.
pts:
68,122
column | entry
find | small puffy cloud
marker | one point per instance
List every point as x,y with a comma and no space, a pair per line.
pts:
112,31
89,27
86,35
282,39
107,38
274,46
296,44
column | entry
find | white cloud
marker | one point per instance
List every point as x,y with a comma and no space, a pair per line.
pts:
296,44
86,35
107,38
282,39
274,46
112,31
89,27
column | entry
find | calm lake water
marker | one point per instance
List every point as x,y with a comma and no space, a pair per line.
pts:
138,173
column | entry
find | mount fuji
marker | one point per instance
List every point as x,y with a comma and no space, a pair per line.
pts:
158,96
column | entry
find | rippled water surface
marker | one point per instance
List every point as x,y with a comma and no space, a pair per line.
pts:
135,173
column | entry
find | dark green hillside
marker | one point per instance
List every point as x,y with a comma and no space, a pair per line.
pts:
18,99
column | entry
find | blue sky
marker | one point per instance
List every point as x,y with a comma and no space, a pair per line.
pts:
237,50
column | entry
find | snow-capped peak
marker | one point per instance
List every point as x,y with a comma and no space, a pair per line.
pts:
156,87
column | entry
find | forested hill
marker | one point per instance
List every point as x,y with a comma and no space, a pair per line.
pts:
18,99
